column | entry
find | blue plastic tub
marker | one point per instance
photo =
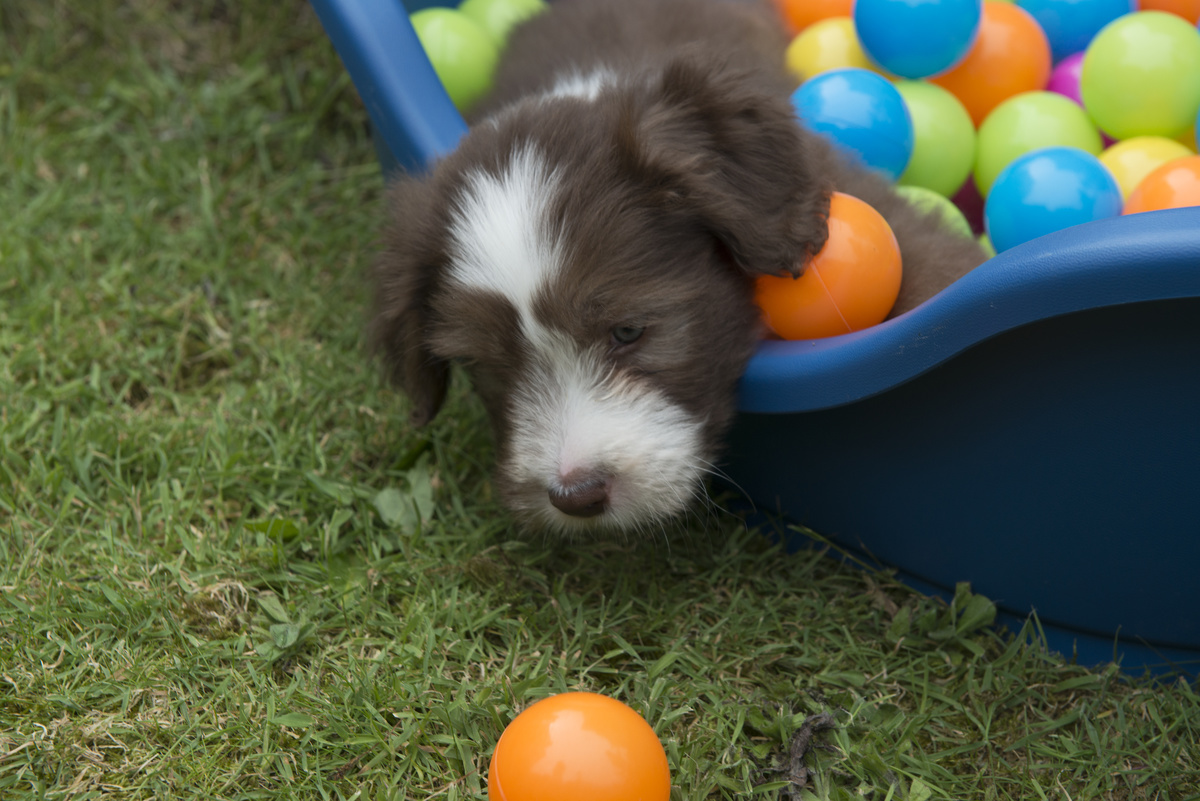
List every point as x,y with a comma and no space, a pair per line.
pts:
1034,429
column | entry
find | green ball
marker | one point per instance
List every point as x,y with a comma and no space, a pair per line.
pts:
1029,121
1141,76
462,53
499,17
943,138
933,202
985,242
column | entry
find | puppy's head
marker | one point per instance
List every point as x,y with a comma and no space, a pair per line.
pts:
589,255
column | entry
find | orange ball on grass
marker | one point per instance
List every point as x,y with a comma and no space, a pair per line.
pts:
579,746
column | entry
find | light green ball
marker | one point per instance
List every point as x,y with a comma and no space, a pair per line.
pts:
1029,121
462,53
985,242
943,138
1141,76
932,202
499,17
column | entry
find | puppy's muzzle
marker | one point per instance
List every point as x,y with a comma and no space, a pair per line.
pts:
582,494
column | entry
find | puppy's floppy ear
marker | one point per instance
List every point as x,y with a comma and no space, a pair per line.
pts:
726,144
403,278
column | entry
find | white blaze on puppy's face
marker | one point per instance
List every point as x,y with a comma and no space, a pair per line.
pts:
570,410
584,87
503,239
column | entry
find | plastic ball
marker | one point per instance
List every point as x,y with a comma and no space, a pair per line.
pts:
1027,122
499,17
462,53
826,45
986,244
1010,56
943,138
968,200
1141,76
862,113
1131,160
917,38
799,14
851,284
1187,9
1174,185
1064,78
1048,190
932,202
1071,24
581,746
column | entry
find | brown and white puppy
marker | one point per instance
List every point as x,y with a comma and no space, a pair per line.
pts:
589,250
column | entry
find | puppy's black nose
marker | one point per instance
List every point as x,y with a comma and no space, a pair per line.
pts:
581,494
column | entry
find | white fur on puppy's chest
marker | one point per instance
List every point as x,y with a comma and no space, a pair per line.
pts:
571,409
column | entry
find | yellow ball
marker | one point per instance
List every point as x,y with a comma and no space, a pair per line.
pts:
826,45
1133,159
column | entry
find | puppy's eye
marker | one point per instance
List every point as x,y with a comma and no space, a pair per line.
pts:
627,334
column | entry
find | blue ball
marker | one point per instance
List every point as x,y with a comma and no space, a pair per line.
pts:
1048,190
862,113
917,38
1070,25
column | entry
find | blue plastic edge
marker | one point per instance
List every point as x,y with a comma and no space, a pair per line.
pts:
408,107
1083,267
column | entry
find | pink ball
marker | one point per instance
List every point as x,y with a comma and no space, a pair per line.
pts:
1064,78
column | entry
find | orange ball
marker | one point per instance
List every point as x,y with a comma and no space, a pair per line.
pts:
1011,55
1174,185
579,746
851,284
799,14
1188,9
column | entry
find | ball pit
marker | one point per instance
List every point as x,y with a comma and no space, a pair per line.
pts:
1069,26
851,284
1174,185
943,138
581,746
862,113
1046,399
1048,190
1027,122
1133,159
917,38
1011,55
1141,76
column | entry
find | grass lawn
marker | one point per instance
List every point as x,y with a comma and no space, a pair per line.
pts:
228,569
